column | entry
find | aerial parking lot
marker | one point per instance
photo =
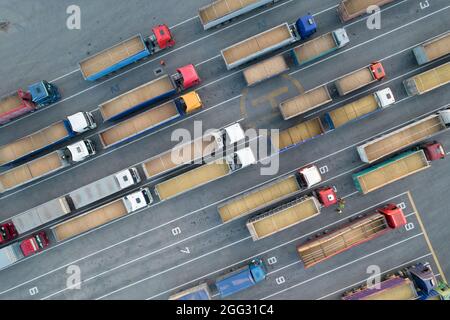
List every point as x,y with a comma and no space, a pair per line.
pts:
286,150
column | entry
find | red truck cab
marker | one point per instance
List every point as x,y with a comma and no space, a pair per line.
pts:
377,70
162,36
433,151
7,232
394,215
327,196
34,244
186,77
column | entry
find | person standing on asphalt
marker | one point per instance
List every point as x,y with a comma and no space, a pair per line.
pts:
341,205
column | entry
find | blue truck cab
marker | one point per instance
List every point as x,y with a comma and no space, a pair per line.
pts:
306,26
242,278
44,93
426,284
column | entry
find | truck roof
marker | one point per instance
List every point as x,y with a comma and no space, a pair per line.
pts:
235,281
394,216
234,133
245,157
311,175
190,76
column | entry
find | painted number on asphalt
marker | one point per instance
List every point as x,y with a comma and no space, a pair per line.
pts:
272,260
402,205
424,4
176,231
409,226
280,280
185,250
34,291
323,169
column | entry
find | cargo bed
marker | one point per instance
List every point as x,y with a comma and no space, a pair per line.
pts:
351,111
432,50
137,98
133,48
253,47
89,220
192,179
342,239
178,156
400,138
30,171
9,103
258,198
299,133
390,171
428,80
305,102
403,291
264,70
283,217
354,81
34,142
139,124
314,48
349,9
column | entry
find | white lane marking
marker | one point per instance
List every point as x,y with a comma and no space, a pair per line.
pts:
183,22
386,271
343,266
65,75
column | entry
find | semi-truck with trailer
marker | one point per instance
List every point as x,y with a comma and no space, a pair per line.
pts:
427,81
101,215
283,217
350,9
269,194
21,102
204,174
432,49
268,41
265,70
320,46
397,168
125,53
45,138
241,278
359,108
220,11
200,292
43,166
360,78
305,102
404,137
151,119
195,150
149,93
331,243
16,251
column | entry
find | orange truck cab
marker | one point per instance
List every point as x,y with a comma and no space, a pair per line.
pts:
377,70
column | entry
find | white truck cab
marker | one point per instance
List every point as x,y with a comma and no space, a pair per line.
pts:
241,159
127,178
309,176
79,151
229,135
384,97
138,200
81,122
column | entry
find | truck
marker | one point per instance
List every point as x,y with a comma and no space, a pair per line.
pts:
269,194
195,150
204,174
298,134
360,78
101,215
268,41
265,70
432,49
331,243
350,9
397,168
21,102
359,109
40,167
283,217
149,93
7,232
150,120
200,292
318,47
403,137
19,250
241,278
126,53
427,81
45,138
305,102
220,11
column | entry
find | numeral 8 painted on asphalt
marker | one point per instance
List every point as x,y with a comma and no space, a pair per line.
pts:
176,231
425,4
409,226
34,291
280,280
402,205
323,169
272,260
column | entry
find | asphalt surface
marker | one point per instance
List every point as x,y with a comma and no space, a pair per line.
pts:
138,256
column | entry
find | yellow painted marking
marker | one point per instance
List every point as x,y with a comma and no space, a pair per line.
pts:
427,239
295,82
